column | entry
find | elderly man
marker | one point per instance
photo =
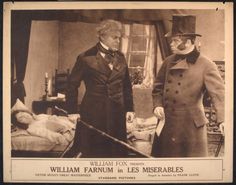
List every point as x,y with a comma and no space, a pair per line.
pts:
108,98
178,93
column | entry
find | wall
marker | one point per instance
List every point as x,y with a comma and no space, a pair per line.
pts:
210,24
75,38
42,57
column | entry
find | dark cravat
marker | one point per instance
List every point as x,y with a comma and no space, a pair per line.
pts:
180,57
109,54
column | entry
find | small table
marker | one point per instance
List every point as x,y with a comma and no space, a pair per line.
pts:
46,106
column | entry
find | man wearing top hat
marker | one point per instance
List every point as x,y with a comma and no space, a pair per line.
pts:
108,98
178,94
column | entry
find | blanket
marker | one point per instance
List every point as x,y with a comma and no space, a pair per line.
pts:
46,132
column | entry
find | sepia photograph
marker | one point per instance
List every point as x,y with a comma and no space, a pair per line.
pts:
118,92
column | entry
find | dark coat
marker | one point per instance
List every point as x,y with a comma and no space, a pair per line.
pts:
179,88
107,98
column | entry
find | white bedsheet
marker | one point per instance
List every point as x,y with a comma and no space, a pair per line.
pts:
45,137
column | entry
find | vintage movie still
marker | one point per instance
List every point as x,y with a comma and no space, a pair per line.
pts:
124,92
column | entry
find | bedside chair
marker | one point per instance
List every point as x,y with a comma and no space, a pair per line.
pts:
61,81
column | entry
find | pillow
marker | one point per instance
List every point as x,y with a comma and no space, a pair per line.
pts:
19,106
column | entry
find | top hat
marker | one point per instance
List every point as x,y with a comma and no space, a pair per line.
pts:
183,25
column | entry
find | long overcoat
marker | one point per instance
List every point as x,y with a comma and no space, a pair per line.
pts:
179,88
107,98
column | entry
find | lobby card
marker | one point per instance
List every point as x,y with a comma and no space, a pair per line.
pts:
45,36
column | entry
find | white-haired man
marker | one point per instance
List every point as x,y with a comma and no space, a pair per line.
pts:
108,98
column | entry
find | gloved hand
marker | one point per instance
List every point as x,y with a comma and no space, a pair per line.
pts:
130,116
159,112
221,127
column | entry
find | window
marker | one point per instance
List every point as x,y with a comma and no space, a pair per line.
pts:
137,49
139,45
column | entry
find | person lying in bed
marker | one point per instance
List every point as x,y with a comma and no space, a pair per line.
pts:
45,126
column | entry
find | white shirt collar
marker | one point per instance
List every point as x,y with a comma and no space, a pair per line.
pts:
186,51
103,55
103,45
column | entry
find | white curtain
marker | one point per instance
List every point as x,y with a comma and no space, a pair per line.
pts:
125,39
159,59
150,58
148,71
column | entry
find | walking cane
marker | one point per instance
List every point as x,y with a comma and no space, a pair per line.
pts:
111,138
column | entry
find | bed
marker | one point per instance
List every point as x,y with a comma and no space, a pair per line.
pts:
29,144
47,136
